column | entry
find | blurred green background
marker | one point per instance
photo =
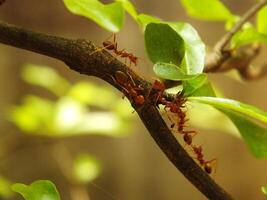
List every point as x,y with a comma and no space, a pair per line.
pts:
79,133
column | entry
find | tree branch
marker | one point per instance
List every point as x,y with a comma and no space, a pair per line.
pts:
76,54
219,54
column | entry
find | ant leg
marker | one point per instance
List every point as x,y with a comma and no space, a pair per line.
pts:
115,81
168,116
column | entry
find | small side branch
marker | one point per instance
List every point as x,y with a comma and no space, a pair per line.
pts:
220,54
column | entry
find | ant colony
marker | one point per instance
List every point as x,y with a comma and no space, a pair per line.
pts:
176,106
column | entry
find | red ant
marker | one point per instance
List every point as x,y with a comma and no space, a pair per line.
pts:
122,53
200,157
123,80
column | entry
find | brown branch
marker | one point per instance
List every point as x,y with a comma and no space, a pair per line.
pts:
76,54
219,54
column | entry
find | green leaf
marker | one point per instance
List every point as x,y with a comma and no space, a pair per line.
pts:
38,190
34,115
198,86
262,20
254,135
170,72
110,16
194,58
264,190
233,105
164,44
144,20
212,10
129,7
86,93
5,190
242,115
246,36
209,118
45,77
86,168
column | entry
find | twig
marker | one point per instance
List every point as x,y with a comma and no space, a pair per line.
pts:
219,54
75,53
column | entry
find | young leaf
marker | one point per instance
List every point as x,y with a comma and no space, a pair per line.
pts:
110,16
38,190
241,115
264,190
170,72
233,105
198,86
5,190
262,20
246,36
46,77
129,7
164,44
144,20
193,62
212,10
254,135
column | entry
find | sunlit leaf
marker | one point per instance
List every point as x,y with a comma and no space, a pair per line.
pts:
233,105
164,44
231,22
93,95
207,117
254,135
5,190
262,20
190,86
85,168
144,20
38,190
194,58
242,116
45,77
92,123
68,114
123,109
212,10
129,7
33,115
170,72
246,36
109,16
264,190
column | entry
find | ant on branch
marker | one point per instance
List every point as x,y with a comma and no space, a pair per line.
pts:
207,165
176,106
113,46
129,87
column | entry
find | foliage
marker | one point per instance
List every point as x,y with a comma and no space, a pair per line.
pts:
38,190
178,54
264,190
5,190
70,114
